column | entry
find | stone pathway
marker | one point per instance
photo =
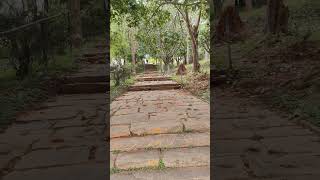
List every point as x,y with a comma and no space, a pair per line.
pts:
252,143
65,138
159,134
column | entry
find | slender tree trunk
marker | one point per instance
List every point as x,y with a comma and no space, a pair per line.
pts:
133,46
213,16
216,7
248,5
195,53
277,17
76,23
45,34
237,6
108,16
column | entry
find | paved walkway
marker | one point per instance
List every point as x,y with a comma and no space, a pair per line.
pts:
252,143
65,138
159,134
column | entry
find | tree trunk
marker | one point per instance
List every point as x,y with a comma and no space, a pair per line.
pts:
277,17
108,16
76,34
216,6
45,34
237,6
195,53
248,5
133,46
212,16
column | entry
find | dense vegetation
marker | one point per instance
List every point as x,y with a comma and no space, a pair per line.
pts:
281,67
166,33
36,48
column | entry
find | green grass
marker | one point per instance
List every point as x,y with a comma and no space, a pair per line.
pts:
304,18
161,166
186,80
116,91
16,95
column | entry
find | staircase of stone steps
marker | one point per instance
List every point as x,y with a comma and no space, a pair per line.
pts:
150,68
154,81
91,77
155,78
159,134
64,137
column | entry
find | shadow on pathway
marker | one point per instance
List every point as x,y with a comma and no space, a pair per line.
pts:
66,137
253,143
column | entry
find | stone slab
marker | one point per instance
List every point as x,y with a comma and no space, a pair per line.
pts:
186,157
160,141
119,131
52,157
140,159
194,173
156,127
96,171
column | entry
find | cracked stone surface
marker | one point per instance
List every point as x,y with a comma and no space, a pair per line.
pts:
253,143
192,173
65,138
169,133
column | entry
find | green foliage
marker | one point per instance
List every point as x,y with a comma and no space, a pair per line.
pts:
132,10
120,48
93,18
161,165
120,73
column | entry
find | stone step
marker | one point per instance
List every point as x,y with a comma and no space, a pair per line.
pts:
150,67
191,173
101,46
155,78
181,140
95,54
164,158
154,72
94,60
154,87
84,88
84,79
218,80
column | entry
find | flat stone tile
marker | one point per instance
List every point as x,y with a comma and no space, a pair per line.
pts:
77,172
138,159
194,173
228,167
186,157
293,144
160,141
52,157
196,125
156,127
119,131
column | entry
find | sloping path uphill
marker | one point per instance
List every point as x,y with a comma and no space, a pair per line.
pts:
159,132
65,138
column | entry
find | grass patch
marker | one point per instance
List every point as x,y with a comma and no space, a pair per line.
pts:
17,95
161,165
197,83
114,170
271,60
116,91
